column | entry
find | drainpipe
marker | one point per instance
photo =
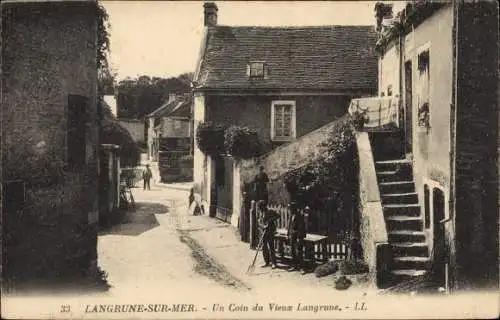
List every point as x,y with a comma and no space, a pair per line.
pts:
453,130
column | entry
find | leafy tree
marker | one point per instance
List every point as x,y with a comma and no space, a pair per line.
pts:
137,97
105,77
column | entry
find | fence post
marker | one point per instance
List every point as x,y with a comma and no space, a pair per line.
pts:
307,210
243,218
253,224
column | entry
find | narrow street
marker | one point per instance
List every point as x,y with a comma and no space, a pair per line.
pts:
160,248
147,251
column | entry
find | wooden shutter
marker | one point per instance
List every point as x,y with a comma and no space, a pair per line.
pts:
76,131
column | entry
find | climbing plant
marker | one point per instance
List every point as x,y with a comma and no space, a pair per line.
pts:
329,185
210,138
242,142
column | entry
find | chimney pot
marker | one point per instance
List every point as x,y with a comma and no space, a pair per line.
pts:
210,14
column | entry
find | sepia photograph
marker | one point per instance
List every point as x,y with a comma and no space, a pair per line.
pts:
249,159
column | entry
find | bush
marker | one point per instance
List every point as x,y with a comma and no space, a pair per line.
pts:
342,283
356,266
210,138
330,183
242,142
326,269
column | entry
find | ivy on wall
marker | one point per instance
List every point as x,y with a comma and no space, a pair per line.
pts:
210,138
242,143
329,185
412,15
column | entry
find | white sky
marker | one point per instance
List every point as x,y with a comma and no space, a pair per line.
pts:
162,38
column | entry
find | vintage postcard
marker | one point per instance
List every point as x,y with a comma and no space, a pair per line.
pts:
249,159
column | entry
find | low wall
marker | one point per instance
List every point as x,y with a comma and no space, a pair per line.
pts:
284,159
374,238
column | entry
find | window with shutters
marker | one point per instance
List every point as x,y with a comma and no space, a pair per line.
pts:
76,131
283,120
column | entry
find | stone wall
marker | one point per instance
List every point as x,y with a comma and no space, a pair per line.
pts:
284,159
373,230
135,128
48,54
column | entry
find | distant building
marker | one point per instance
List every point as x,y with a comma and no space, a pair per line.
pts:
49,138
136,129
170,138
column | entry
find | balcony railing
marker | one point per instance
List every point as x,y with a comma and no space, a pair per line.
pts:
382,113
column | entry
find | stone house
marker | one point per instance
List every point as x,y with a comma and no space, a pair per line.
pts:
49,140
282,82
170,137
441,60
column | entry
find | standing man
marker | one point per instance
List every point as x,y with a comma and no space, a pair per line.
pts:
260,185
268,225
296,236
146,176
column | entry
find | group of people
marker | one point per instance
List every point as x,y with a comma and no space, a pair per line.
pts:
296,231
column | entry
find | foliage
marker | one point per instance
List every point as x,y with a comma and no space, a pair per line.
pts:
360,118
382,10
329,185
326,269
137,97
342,283
353,266
414,13
210,138
103,43
242,142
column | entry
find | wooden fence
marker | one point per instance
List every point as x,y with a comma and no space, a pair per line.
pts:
223,214
336,246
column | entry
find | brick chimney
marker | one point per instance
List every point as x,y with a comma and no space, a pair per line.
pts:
210,14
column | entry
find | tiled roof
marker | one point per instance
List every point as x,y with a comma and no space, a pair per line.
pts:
179,107
329,58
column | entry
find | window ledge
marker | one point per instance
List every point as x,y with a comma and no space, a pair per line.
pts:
282,139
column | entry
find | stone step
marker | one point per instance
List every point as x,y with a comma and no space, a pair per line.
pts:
410,262
405,277
410,249
406,236
397,187
404,223
412,210
392,164
394,175
399,198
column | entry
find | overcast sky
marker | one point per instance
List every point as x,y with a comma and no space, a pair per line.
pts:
162,38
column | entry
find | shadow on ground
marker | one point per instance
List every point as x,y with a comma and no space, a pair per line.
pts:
58,285
134,221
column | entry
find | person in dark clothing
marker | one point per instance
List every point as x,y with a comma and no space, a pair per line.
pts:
296,236
260,184
268,225
146,176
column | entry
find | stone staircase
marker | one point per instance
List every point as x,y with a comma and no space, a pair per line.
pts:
410,260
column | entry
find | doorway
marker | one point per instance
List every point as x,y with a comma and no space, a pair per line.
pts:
408,120
440,251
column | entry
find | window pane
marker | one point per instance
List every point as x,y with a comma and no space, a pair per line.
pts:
257,69
283,120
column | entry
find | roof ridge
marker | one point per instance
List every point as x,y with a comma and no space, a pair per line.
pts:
298,27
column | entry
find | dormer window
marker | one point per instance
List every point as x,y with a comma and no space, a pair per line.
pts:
257,70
